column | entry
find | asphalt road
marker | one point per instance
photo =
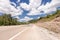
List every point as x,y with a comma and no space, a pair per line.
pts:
29,32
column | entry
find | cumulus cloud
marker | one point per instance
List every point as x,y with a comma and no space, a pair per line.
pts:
34,12
49,6
13,4
25,19
46,8
25,6
18,1
35,3
34,7
6,7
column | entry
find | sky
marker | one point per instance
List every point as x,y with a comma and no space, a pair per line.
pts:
26,10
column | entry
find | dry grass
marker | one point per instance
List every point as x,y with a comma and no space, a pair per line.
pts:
53,25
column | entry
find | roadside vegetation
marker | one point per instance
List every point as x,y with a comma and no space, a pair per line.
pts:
8,20
50,17
47,18
50,22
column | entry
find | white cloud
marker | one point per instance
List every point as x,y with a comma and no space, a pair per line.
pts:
18,18
32,4
50,10
25,6
38,17
7,8
34,11
34,7
25,19
13,4
46,8
35,3
18,1
49,6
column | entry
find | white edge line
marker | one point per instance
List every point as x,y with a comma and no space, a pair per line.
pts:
17,34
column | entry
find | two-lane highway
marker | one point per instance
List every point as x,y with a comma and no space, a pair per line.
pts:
10,31
29,32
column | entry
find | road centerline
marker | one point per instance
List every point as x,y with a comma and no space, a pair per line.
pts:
17,34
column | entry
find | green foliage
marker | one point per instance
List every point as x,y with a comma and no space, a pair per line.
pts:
8,20
51,17
33,21
47,18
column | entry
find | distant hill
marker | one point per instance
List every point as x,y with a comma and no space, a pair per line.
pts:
51,22
50,17
8,20
47,18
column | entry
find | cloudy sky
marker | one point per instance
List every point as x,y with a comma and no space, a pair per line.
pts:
25,10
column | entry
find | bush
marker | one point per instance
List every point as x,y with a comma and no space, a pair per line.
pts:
8,20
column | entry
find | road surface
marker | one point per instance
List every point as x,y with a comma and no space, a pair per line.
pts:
29,32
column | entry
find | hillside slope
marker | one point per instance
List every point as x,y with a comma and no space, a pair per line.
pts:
52,25
26,32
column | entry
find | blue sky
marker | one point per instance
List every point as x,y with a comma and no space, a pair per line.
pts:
27,1
45,1
28,9
25,12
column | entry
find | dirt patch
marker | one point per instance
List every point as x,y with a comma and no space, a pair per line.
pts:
53,25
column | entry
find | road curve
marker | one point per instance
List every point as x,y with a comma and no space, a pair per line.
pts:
36,33
7,32
31,32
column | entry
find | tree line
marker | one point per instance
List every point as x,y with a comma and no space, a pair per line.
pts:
6,19
46,18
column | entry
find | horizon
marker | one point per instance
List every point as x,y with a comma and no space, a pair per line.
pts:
25,10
